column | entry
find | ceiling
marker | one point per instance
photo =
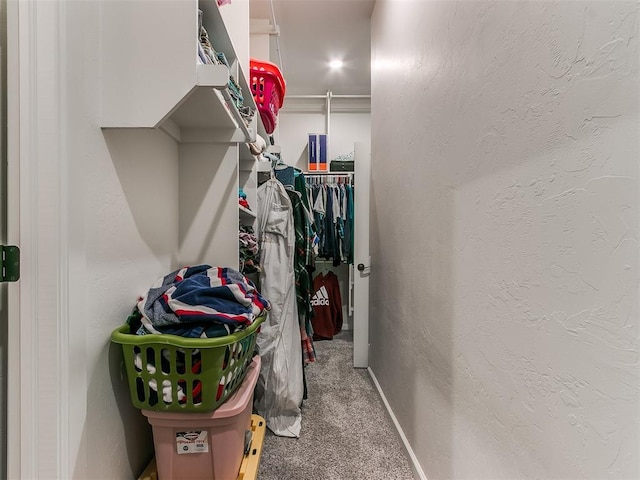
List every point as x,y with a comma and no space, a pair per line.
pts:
314,32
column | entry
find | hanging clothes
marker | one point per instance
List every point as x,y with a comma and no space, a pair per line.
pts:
329,225
300,185
279,391
348,230
303,261
338,193
327,306
332,209
318,194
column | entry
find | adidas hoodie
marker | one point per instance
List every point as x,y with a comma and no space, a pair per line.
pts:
327,306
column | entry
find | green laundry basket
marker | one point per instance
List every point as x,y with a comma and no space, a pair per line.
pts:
168,373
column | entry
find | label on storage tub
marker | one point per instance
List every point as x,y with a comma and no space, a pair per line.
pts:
194,441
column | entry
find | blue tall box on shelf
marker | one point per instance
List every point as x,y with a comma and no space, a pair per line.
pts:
318,153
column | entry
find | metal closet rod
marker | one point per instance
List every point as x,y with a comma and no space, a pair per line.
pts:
347,177
325,96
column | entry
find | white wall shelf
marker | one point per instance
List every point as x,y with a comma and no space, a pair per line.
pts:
155,82
247,159
261,130
264,167
207,106
151,79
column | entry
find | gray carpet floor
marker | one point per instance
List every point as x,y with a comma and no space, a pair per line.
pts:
346,432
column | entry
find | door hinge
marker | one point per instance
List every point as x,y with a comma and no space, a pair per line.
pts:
9,263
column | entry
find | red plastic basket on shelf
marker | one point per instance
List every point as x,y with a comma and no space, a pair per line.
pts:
268,88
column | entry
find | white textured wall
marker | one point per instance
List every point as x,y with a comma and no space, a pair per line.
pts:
504,235
124,234
236,19
208,205
131,218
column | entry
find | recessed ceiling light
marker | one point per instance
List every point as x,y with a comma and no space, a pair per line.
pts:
336,64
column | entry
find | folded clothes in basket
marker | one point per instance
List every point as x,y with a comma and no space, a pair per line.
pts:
199,302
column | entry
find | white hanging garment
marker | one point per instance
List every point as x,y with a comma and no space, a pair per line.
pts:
279,389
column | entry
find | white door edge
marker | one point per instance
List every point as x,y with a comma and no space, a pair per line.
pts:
361,256
38,353
14,405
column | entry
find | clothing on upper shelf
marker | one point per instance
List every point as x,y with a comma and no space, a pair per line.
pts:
327,306
257,147
300,186
348,231
289,243
208,56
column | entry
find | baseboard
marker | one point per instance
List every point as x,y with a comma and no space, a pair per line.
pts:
417,469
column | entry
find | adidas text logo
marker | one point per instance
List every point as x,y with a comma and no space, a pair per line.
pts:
321,298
